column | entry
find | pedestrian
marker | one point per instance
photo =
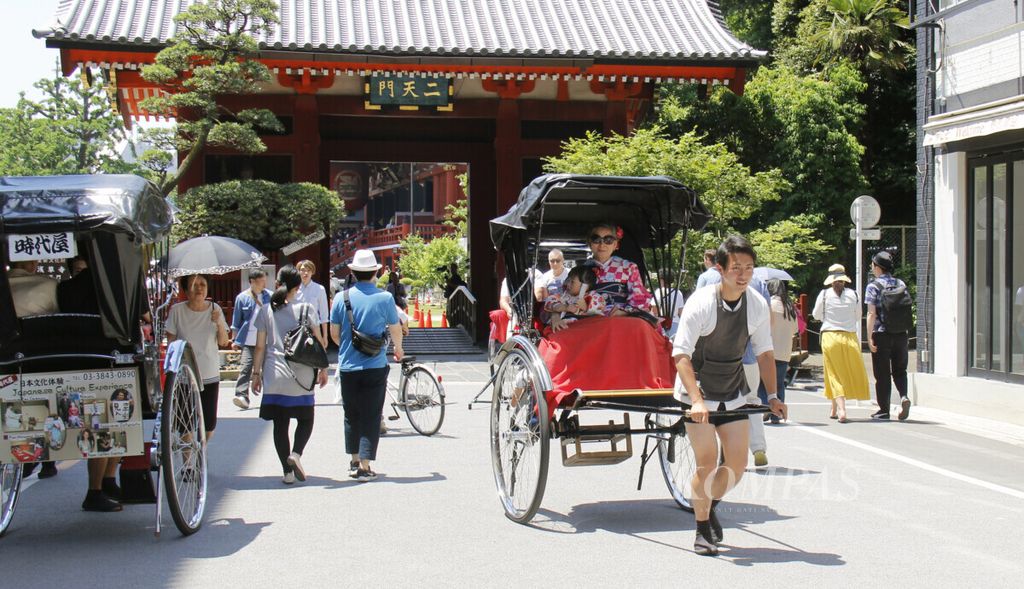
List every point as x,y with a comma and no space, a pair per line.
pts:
247,307
287,387
784,326
551,282
839,311
890,318
372,312
395,287
313,293
201,323
710,273
758,440
717,324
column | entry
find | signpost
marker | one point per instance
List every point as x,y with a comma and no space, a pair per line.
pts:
865,213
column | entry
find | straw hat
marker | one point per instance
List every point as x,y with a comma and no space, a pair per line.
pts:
364,261
836,272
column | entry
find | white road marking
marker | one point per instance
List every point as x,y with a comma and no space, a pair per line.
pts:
916,463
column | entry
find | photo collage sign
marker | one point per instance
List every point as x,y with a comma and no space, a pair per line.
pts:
70,415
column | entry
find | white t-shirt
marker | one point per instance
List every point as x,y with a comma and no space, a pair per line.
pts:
838,312
314,294
200,332
551,283
700,316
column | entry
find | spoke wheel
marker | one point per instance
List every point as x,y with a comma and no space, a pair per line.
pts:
678,464
10,490
423,400
183,448
520,443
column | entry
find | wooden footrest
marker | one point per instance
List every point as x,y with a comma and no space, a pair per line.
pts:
610,454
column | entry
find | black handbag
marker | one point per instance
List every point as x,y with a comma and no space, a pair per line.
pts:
302,347
364,343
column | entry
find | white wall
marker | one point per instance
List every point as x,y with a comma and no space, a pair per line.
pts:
949,335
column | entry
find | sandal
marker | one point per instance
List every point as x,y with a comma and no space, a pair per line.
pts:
842,419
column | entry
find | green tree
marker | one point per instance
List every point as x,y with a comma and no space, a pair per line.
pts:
211,56
265,214
866,32
426,263
72,129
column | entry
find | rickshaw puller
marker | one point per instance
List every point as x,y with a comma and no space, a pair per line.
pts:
716,325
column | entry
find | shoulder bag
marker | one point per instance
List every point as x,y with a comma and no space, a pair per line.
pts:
302,347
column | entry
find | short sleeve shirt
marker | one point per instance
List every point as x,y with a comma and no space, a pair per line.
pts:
374,310
551,283
314,294
196,328
873,296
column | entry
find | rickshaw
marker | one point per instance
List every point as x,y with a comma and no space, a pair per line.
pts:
80,384
541,386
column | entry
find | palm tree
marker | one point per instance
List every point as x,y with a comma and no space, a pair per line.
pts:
866,32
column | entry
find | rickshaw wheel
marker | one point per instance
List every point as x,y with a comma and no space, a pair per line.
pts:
678,471
423,400
520,432
10,490
183,447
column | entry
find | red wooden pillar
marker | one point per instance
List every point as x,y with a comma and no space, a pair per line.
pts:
507,153
306,159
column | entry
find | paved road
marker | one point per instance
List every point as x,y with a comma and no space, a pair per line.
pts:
856,504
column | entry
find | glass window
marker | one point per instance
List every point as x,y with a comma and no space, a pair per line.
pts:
1017,264
1000,322
982,319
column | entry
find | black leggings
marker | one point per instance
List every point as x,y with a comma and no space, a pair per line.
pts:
208,399
303,430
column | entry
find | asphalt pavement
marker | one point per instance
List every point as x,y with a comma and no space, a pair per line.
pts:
933,501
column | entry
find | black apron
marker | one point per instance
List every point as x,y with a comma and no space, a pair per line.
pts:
718,357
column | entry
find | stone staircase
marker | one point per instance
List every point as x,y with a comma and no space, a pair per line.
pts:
439,340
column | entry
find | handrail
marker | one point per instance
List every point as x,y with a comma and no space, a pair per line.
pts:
461,310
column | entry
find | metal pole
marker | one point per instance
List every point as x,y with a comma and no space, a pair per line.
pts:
412,183
860,274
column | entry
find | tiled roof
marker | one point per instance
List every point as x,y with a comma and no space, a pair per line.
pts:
600,29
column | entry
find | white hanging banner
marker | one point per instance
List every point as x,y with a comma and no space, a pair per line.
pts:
41,246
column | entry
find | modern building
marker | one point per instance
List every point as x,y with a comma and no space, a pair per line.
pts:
970,67
499,84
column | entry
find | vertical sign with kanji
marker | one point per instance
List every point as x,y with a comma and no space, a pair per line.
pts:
42,246
408,91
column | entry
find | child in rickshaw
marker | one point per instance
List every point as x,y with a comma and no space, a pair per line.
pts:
575,301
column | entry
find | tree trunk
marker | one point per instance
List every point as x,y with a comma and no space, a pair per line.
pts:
197,148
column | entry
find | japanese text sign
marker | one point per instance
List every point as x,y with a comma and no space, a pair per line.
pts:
411,91
42,246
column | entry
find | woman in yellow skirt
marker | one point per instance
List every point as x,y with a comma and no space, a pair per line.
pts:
839,310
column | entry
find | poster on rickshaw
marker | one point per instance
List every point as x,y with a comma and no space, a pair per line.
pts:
70,415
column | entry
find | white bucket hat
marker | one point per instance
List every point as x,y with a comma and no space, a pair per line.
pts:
364,261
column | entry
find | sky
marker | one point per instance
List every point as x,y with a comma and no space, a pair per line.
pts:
26,59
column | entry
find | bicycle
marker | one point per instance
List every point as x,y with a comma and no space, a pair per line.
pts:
420,394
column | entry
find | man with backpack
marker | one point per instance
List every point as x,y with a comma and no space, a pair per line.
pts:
890,319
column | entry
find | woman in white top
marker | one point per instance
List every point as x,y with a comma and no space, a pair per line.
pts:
783,328
201,323
839,310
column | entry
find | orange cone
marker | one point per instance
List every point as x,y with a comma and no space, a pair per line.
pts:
416,316
427,317
444,319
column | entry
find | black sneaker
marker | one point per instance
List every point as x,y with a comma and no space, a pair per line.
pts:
904,413
353,469
28,468
704,546
110,488
716,527
49,470
880,414
95,500
365,476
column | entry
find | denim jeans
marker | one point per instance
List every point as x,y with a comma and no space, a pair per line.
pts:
362,394
781,367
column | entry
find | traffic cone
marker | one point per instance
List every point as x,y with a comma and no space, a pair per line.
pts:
427,317
444,319
416,316
416,306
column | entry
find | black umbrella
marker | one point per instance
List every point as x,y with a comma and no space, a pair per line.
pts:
213,254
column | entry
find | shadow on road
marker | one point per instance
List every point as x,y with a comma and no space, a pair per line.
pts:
262,483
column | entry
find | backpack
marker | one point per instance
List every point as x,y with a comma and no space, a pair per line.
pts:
897,308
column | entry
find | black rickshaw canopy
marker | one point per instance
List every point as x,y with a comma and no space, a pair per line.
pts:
119,214
562,207
109,202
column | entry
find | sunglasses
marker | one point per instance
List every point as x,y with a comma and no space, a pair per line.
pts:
607,239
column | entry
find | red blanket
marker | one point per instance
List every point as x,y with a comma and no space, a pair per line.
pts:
607,353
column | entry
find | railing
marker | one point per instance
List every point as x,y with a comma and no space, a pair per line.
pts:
461,310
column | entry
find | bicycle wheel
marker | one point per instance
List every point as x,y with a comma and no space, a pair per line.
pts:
520,429
678,464
422,396
10,490
183,448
